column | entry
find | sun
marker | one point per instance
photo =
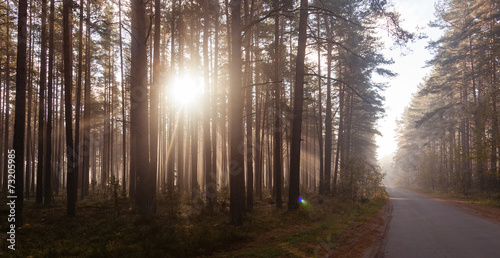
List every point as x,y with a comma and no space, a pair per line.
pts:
186,90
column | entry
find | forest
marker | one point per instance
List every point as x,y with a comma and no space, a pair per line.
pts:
448,138
178,113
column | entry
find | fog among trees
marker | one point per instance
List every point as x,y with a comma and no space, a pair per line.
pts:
216,107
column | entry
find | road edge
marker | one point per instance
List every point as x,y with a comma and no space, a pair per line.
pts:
378,246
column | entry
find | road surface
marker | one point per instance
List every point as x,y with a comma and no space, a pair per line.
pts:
423,227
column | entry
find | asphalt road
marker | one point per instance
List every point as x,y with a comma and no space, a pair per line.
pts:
423,227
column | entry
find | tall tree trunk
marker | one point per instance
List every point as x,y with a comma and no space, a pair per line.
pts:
48,156
248,107
293,203
41,107
494,93
210,183
20,118
155,93
154,108
258,139
124,127
340,134
79,91
29,141
215,96
145,198
278,170
60,132
105,133
236,171
328,110
72,162
86,112
320,116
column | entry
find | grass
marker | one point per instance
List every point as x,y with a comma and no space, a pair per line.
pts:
103,228
306,233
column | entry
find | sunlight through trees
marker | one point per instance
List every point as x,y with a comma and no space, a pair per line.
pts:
218,105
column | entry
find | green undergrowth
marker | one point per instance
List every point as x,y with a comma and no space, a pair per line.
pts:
110,228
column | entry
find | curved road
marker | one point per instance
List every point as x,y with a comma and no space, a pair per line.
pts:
422,227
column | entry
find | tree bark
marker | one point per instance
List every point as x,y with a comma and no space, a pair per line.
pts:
48,156
154,93
145,197
294,192
248,107
41,107
214,96
236,171
278,169
29,141
20,116
72,162
328,114
86,112
210,183
320,117
79,91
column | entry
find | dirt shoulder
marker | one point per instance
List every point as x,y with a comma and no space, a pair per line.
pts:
366,239
490,213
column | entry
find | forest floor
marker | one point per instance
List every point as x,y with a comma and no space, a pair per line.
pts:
103,227
487,207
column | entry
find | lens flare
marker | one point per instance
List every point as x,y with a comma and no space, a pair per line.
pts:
305,204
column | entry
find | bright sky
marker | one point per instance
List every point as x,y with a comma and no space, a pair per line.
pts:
410,69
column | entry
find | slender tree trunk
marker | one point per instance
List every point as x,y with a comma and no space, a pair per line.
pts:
60,132
293,203
171,131
180,151
72,161
340,134
320,117
29,141
20,117
145,198
214,97
41,106
494,93
278,169
248,107
236,173
155,93
194,154
105,135
86,112
79,91
210,183
122,82
48,156
258,142
328,115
